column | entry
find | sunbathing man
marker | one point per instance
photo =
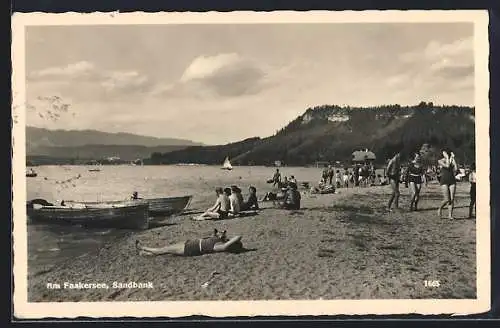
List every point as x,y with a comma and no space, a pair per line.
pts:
217,243
220,209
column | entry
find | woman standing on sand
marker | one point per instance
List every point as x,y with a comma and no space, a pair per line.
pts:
394,174
447,180
195,247
414,176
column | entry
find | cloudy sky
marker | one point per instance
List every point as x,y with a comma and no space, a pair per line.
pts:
222,83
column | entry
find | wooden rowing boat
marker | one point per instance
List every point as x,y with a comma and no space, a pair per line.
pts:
158,207
134,216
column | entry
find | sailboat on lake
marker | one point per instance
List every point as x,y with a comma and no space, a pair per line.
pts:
227,165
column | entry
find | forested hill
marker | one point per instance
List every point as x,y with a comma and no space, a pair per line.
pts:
331,133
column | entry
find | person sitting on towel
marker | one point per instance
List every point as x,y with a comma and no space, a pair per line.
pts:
251,203
292,198
233,201
217,243
220,209
237,191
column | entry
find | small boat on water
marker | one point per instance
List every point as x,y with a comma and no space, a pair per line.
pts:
131,216
226,165
158,207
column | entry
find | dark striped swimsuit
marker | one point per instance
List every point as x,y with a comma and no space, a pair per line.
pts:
415,174
198,247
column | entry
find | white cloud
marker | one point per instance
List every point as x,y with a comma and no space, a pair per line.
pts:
206,66
126,81
82,69
85,82
222,75
437,71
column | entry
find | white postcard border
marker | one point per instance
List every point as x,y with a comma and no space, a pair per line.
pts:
31,310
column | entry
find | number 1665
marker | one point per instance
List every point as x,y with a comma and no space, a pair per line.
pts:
431,283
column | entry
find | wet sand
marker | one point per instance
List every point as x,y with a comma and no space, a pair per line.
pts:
338,246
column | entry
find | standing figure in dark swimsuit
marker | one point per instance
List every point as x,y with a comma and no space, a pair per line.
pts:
414,176
394,174
217,243
447,180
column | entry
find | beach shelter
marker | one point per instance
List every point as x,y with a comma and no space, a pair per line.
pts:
363,156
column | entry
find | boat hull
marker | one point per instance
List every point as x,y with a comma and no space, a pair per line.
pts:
124,217
158,207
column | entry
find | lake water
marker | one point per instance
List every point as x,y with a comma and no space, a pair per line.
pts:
48,244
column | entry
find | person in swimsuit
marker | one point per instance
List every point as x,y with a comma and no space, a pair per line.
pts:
234,201
393,173
237,192
217,243
221,207
345,178
338,179
472,180
414,176
292,198
276,178
447,180
251,203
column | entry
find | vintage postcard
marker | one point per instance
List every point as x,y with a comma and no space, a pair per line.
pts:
246,163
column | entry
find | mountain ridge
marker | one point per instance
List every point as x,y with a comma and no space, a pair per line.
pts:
93,144
332,133
62,137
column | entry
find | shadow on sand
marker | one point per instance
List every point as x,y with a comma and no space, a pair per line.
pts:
243,250
159,224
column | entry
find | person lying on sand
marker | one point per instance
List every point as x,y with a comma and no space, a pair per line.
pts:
220,209
217,243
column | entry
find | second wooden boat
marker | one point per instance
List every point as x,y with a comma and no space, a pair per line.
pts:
158,207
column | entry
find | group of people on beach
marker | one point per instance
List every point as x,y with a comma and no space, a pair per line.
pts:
415,176
359,175
230,202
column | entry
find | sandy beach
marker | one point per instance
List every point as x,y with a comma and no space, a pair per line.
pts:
338,246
